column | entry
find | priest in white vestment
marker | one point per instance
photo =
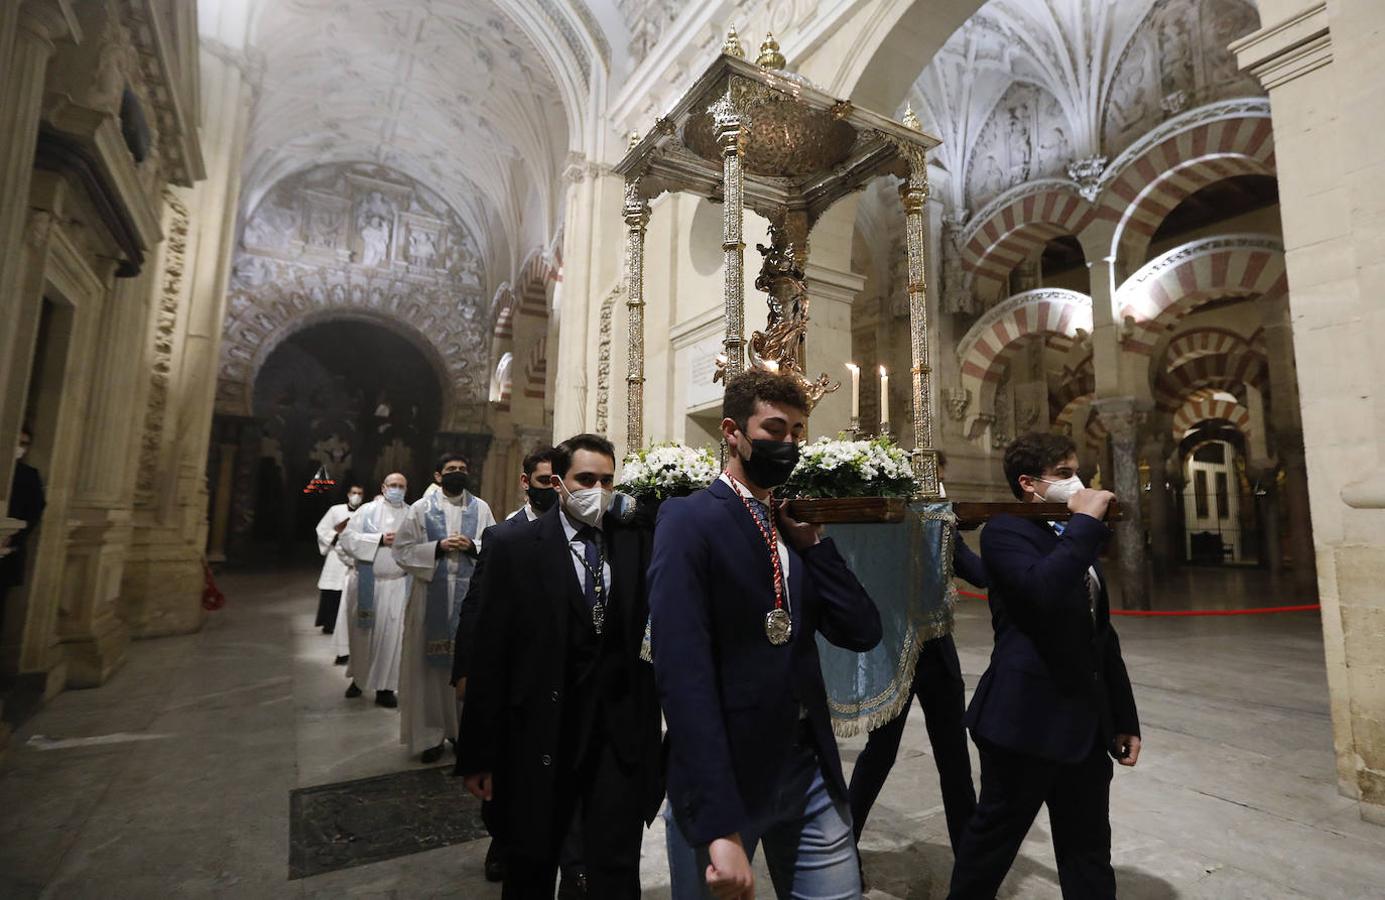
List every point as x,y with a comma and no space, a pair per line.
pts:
332,580
377,593
438,545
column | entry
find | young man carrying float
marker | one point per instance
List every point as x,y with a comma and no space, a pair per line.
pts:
738,591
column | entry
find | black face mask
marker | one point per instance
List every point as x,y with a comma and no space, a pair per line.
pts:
453,483
542,498
771,462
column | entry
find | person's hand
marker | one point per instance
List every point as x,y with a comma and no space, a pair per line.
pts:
1130,743
1091,503
729,876
387,539
800,535
479,785
451,543
341,526
464,543
461,688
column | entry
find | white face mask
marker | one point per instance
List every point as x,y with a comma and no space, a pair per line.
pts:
589,504
1062,491
20,451
354,500
394,495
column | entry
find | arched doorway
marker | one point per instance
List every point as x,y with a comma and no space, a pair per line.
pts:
350,395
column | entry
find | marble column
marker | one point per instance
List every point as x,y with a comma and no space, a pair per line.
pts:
1121,418
1161,548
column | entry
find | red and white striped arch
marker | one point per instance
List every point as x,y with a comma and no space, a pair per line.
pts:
1237,265
1207,405
1014,225
1177,159
536,369
1207,358
981,352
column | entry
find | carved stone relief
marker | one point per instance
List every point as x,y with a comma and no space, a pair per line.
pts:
359,239
1026,137
1177,60
170,291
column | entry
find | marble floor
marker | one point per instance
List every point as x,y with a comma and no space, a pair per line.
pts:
174,779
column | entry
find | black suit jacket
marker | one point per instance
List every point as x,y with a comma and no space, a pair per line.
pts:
543,690
464,644
731,699
1056,681
26,503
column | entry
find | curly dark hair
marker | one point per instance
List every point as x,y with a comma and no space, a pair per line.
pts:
1033,453
743,391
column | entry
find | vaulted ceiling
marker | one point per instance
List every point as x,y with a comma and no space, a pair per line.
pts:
480,100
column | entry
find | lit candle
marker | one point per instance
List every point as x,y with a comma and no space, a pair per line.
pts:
884,400
855,371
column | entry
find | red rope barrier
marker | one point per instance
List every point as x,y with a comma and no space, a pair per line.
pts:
1155,613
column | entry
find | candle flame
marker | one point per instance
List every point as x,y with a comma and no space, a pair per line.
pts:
853,368
883,373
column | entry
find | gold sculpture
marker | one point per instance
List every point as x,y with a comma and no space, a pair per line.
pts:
759,136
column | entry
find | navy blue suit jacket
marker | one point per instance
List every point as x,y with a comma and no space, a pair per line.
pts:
967,565
731,699
1056,682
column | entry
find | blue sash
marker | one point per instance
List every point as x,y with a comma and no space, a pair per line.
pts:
907,570
442,611
365,580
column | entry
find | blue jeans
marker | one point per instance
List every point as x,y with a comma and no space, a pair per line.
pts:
809,846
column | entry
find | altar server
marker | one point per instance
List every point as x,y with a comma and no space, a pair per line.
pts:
378,592
739,592
332,579
437,544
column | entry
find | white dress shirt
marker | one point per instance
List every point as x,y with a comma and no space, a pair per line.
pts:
579,556
783,547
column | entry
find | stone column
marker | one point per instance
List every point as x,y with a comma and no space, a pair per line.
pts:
1155,453
28,31
162,589
1322,67
1121,418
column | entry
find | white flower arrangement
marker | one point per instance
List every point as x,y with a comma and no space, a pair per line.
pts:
842,468
667,470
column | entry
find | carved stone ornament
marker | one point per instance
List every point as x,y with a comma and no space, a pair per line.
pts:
1087,173
956,403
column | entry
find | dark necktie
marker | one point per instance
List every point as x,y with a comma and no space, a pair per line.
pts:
760,512
591,546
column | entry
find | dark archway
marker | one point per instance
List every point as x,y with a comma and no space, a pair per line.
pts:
348,394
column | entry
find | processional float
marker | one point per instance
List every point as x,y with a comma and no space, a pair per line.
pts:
753,134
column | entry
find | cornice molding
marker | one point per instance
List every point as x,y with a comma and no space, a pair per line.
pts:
1287,50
